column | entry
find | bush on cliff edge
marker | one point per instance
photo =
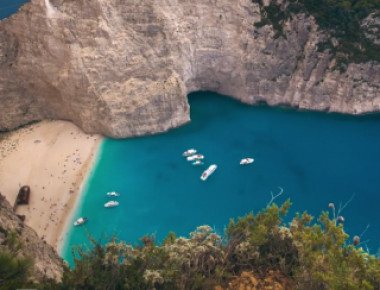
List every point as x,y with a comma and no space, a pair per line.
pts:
310,255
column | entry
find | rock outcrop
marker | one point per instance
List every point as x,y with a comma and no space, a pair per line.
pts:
124,67
46,262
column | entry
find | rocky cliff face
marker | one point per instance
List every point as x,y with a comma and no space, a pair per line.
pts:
124,67
46,262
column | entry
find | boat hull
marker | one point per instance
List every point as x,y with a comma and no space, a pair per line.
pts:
195,157
210,170
189,152
111,204
80,221
113,193
246,161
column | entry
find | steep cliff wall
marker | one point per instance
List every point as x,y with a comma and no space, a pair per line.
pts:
46,262
124,67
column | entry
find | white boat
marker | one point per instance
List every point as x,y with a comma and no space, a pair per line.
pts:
246,161
80,221
111,203
197,162
210,170
195,157
189,152
113,193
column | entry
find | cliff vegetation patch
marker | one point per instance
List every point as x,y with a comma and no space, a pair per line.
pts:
350,37
256,250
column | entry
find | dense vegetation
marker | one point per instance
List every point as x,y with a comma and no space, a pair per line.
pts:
14,269
306,254
342,19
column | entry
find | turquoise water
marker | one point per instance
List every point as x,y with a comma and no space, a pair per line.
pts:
9,7
317,158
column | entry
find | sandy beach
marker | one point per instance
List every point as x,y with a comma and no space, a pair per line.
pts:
53,158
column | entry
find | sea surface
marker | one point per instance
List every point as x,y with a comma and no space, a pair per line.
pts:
316,158
9,7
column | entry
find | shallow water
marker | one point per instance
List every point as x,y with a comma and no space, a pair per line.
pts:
317,158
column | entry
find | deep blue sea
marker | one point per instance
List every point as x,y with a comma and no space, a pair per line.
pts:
8,7
317,158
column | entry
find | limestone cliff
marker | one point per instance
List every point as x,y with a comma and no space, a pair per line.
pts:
46,262
124,67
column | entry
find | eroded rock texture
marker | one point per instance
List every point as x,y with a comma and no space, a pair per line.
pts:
45,261
124,67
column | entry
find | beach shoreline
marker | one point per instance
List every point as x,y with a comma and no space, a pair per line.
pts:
87,170
55,159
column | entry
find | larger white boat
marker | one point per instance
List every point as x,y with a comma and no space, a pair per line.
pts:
111,203
189,152
80,221
245,161
113,193
210,170
195,157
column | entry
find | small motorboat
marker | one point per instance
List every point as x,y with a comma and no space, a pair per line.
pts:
195,157
197,162
113,193
189,152
80,221
111,203
245,161
210,170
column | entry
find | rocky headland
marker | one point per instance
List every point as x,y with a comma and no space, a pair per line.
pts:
22,241
125,67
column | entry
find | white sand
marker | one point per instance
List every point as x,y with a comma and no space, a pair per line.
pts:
53,158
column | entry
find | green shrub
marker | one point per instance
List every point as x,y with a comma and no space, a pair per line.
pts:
14,271
313,254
